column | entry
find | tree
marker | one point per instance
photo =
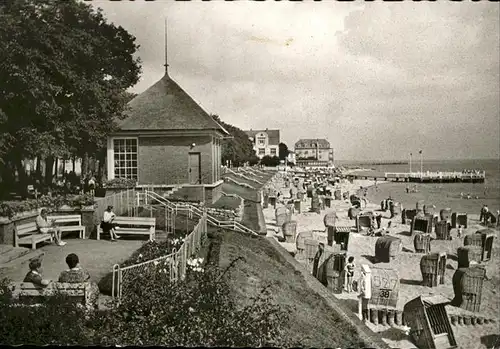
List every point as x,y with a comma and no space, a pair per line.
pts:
270,161
64,73
283,151
238,149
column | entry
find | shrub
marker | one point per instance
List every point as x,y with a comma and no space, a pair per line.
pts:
12,208
125,183
199,311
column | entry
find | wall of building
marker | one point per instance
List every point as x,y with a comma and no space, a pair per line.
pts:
164,160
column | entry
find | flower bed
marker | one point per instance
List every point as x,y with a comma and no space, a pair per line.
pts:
12,208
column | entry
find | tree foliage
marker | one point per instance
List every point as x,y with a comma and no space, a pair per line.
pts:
238,149
283,151
64,72
271,161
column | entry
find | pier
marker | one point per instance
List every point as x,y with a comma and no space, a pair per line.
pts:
426,177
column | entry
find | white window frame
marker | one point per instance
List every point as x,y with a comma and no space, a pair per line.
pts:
263,152
111,156
273,152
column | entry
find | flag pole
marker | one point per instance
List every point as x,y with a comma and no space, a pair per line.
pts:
410,162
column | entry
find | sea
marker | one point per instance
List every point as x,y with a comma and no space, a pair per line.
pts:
442,195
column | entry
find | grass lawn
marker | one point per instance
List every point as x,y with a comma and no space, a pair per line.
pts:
226,203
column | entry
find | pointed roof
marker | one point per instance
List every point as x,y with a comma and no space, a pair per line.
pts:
311,143
274,135
166,106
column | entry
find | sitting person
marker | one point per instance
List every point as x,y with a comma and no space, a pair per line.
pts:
107,224
45,227
34,275
75,273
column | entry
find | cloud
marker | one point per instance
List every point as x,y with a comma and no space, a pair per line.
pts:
377,80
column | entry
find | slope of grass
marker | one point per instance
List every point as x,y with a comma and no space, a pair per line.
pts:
313,323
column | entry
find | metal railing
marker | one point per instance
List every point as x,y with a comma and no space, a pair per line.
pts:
173,264
193,210
121,202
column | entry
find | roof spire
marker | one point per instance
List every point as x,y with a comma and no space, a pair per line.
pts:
166,50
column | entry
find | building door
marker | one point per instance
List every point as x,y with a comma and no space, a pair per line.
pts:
194,168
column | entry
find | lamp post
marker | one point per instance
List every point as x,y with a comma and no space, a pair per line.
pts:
421,163
410,162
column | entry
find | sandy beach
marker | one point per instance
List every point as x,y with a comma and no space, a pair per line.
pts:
406,264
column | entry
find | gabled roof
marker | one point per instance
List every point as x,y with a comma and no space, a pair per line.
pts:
274,135
166,106
311,143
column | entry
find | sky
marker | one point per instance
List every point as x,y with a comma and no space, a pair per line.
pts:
377,80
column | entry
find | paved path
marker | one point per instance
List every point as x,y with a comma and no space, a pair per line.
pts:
98,257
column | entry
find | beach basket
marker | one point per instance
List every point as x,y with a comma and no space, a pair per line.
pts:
429,210
484,239
422,243
387,248
420,205
337,194
280,210
310,190
315,204
445,214
429,324
289,231
442,230
384,288
265,203
421,225
407,216
341,238
334,272
364,220
272,201
433,267
300,242
467,254
311,247
330,219
468,286
355,200
281,219
296,206
328,201
458,219
395,208
353,212
383,205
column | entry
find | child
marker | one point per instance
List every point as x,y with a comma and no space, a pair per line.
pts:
349,270
460,230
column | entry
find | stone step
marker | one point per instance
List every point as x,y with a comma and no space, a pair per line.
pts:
21,258
10,253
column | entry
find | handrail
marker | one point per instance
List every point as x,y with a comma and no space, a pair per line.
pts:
188,207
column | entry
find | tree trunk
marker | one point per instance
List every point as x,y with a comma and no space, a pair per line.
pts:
102,166
85,164
22,178
38,169
49,167
73,160
56,166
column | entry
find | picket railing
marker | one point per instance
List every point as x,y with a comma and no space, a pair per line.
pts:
121,202
193,210
173,264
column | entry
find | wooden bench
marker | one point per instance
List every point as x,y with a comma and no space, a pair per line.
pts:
133,226
27,293
69,223
27,234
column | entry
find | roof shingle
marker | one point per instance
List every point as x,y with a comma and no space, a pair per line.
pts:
166,106
311,143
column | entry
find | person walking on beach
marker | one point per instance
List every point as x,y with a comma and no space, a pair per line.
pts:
378,218
349,271
460,231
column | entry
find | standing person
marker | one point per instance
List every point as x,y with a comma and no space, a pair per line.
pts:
460,231
107,224
91,185
365,292
486,215
35,274
378,218
45,226
349,272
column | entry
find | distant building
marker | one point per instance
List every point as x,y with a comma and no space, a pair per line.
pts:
291,156
313,153
265,142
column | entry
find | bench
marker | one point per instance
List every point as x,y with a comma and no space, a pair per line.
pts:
27,234
27,293
133,226
69,223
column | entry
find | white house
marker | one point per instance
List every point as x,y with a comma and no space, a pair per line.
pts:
265,142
